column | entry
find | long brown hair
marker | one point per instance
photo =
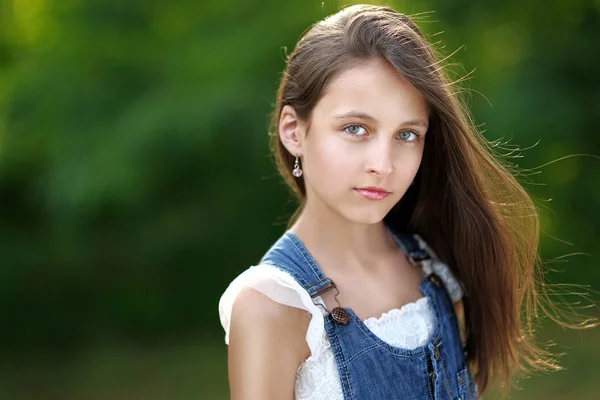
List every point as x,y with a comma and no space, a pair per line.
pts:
466,202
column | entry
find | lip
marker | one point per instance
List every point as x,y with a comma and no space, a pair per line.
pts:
373,193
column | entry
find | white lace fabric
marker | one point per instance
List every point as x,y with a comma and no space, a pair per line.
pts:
407,327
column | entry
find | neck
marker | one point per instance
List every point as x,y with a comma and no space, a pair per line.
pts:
337,241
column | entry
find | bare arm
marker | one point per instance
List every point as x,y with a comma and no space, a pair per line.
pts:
266,346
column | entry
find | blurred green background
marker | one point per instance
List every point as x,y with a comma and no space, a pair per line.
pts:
136,183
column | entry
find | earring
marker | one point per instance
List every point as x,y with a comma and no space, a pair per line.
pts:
297,172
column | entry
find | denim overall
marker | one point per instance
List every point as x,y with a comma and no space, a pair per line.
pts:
370,368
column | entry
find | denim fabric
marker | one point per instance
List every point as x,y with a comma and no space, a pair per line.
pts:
370,368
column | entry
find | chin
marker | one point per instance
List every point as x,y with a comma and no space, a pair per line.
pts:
364,216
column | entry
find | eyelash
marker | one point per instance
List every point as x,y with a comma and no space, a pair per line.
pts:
362,126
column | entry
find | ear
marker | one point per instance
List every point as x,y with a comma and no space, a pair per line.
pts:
291,131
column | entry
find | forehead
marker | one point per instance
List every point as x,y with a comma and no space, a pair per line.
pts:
376,88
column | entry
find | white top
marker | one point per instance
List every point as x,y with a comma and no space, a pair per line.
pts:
317,377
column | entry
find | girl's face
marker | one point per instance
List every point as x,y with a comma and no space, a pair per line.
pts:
367,131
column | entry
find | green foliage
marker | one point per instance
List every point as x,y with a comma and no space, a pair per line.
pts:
135,179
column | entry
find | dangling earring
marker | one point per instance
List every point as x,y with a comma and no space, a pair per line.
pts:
297,172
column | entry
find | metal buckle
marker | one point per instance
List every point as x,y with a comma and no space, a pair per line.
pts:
339,314
417,256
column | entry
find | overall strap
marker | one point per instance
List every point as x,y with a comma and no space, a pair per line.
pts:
290,255
416,251
411,246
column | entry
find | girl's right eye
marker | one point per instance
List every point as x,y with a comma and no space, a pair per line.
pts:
354,130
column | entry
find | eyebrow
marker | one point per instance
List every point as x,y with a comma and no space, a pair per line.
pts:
365,116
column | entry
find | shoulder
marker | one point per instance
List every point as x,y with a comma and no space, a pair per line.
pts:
255,313
269,294
274,285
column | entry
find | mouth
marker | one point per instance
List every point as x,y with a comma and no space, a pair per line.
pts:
373,193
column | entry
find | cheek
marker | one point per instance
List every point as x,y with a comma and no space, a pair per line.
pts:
407,165
330,161
410,161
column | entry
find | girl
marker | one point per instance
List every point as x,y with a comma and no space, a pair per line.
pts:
352,302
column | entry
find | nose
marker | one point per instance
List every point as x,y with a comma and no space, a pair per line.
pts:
380,160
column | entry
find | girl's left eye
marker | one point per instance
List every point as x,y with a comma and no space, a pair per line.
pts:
406,136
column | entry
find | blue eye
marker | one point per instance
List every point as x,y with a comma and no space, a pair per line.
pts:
353,130
406,136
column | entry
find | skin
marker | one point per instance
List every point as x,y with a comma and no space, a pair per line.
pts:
343,230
